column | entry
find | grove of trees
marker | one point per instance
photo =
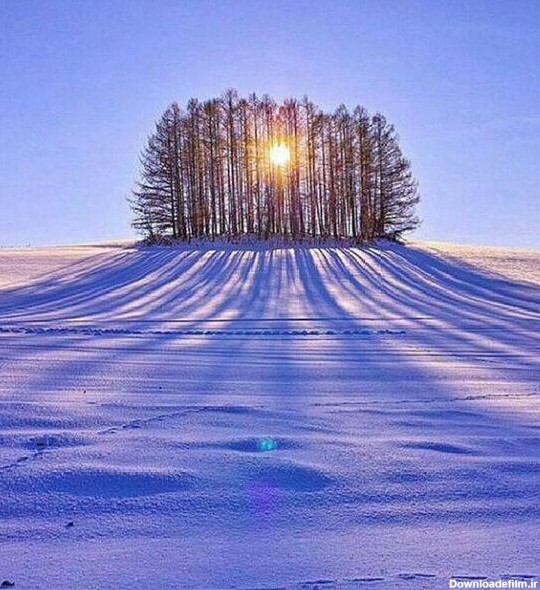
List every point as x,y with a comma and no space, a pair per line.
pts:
208,171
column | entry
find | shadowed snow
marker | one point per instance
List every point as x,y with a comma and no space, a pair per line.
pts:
255,417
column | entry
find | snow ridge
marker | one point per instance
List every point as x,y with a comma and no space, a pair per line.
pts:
268,417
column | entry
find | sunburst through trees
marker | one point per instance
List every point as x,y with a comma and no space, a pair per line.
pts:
233,166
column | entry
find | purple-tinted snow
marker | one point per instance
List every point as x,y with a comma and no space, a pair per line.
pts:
268,417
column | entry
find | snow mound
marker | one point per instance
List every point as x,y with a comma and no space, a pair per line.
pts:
269,416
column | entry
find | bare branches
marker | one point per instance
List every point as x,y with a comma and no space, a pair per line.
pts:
208,171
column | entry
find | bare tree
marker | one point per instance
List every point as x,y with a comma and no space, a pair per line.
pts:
208,172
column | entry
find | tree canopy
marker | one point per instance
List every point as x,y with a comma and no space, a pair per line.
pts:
233,166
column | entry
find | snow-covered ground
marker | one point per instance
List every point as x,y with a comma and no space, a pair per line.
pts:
307,418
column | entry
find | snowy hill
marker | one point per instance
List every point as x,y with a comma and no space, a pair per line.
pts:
310,417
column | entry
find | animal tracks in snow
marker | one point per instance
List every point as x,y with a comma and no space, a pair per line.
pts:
92,331
285,419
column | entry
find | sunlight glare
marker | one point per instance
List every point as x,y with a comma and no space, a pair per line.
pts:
280,155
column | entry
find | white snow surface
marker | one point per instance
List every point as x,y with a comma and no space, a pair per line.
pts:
262,417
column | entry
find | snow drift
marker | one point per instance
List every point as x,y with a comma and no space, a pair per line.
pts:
251,417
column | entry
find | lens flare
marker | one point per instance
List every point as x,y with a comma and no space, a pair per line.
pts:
267,444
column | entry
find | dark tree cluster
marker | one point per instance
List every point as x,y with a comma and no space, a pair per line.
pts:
235,166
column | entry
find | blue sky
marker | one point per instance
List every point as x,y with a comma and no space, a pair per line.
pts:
82,82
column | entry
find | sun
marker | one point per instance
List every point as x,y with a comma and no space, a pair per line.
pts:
280,155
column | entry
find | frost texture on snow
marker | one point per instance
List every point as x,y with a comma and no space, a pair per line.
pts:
295,418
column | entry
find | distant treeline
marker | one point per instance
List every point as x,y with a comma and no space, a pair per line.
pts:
233,166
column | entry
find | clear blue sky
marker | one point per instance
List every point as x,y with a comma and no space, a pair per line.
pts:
82,82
